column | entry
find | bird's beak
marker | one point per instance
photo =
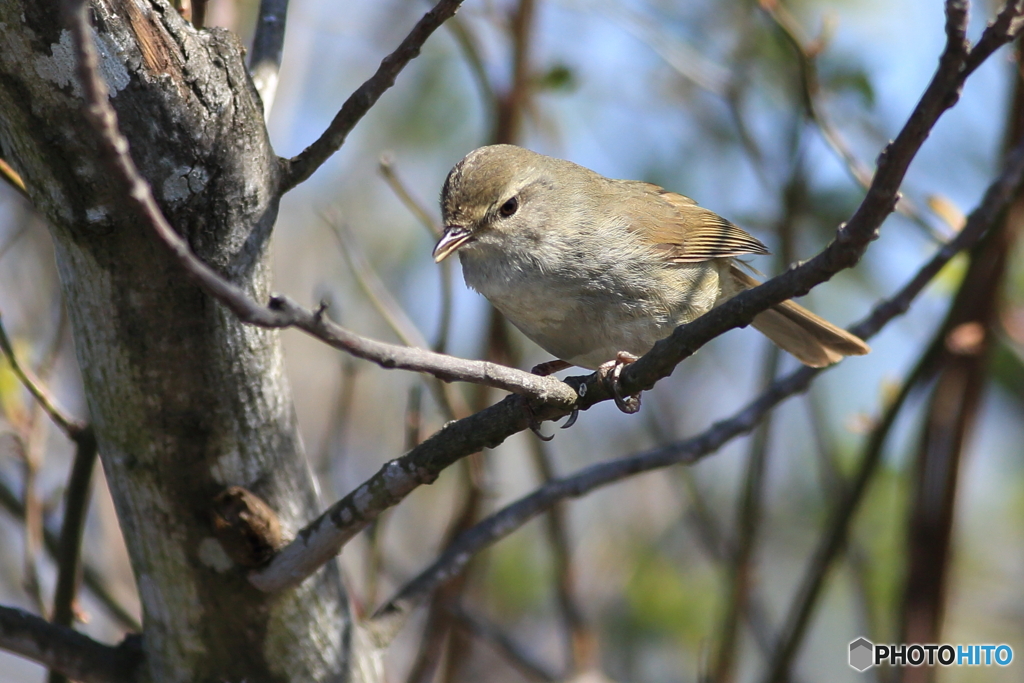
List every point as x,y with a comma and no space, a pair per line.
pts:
454,237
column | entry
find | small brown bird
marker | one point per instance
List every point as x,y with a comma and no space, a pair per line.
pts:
597,270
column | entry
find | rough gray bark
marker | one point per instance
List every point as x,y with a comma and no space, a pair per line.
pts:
185,400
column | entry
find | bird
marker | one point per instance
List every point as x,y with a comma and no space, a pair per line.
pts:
597,270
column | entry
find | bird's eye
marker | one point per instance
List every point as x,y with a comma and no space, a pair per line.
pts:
509,207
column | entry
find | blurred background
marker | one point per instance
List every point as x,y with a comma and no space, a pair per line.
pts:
769,114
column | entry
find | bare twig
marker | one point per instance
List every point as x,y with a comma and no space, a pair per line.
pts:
318,542
62,649
75,430
92,578
964,346
834,538
439,641
451,403
282,312
199,13
374,289
833,484
43,397
299,168
513,516
11,177
69,554
469,48
30,453
444,315
513,104
554,399
481,628
741,560
852,238
416,208
581,644
807,55
267,48
741,570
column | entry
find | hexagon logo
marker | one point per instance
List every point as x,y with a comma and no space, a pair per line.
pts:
862,654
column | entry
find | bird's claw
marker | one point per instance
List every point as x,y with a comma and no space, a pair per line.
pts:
535,428
610,373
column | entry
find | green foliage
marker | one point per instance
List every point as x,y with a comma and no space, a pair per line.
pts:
839,76
518,579
558,78
665,600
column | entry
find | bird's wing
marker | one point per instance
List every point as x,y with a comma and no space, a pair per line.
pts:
685,232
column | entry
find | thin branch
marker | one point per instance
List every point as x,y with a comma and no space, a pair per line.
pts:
30,454
467,44
852,238
439,642
444,315
512,105
325,536
481,628
67,424
386,165
718,549
320,540
513,516
834,484
808,63
282,312
11,177
451,403
834,538
374,289
299,168
748,517
267,48
60,648
581,644
92,578
68,551
69,554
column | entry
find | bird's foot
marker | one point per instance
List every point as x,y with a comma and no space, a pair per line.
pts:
610,372
550,368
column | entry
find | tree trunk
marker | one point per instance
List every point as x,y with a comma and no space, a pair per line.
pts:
185,400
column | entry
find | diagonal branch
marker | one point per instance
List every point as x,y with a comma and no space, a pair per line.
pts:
513,516
70,652
324,537
69,551
91,577
833,540
67,424
551,399
267,47
852,239
301,167
282,311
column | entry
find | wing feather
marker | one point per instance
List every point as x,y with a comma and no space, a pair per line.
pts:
685,232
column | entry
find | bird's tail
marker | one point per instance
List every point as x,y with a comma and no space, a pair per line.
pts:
813,340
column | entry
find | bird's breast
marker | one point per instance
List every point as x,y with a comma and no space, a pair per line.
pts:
585,311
